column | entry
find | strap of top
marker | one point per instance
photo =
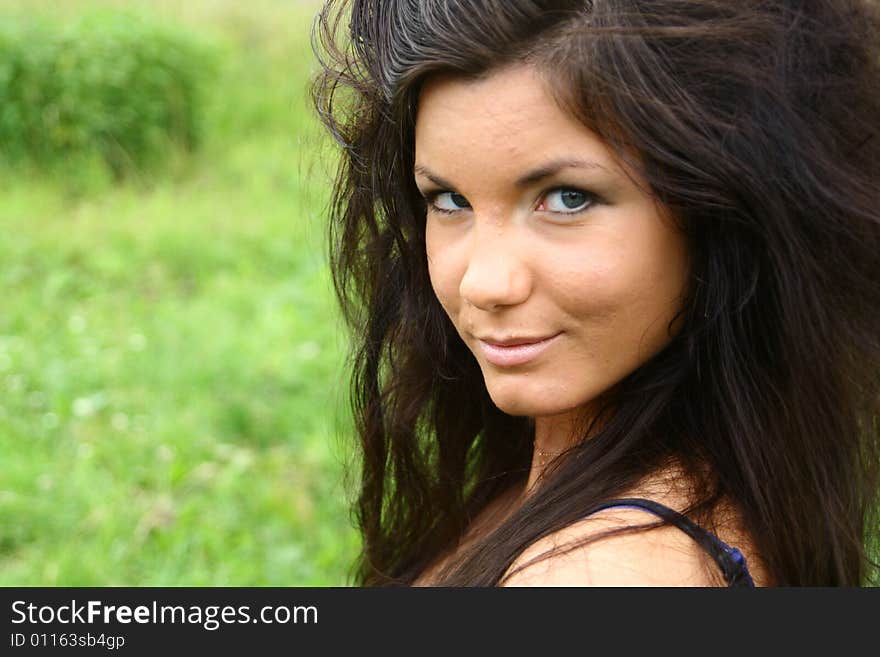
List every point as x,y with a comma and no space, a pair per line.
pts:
729,559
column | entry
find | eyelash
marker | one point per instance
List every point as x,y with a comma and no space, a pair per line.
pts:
592,200
431,196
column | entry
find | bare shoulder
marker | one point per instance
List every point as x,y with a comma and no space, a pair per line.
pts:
583,555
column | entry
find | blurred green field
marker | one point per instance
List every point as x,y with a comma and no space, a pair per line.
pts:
172,407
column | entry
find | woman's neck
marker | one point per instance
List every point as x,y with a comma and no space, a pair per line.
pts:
553,436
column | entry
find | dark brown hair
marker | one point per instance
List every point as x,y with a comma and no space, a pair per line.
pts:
755,123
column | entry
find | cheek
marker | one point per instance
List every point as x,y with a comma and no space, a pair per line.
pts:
444,273
589,281
623,282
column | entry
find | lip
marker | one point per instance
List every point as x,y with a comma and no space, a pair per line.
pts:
510,352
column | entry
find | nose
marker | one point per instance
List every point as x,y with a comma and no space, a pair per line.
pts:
496,275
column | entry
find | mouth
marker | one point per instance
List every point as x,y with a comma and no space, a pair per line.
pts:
510,352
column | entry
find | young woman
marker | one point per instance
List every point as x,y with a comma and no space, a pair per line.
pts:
613,278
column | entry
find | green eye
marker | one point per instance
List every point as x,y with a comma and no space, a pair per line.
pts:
450,202
567,200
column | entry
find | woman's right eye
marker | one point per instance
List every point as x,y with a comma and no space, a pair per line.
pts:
447,202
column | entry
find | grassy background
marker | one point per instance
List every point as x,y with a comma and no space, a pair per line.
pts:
171,406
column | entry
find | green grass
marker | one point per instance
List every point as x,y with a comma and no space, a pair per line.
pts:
172,409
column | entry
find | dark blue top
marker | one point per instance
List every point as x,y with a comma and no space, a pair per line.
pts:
730,560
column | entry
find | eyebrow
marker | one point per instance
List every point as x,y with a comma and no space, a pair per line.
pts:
533,176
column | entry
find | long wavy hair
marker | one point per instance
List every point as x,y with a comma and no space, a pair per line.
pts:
755,122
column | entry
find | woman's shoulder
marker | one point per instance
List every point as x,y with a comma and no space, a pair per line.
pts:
603,549
584,554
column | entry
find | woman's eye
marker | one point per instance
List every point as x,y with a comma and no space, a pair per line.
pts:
448,202
567,200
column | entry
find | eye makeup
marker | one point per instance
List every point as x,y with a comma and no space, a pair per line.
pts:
558,200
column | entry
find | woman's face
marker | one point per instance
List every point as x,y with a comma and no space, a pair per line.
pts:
558,271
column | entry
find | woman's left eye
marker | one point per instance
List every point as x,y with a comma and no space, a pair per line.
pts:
567,200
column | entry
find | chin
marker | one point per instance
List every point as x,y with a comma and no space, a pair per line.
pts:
519,403
536,396
518,408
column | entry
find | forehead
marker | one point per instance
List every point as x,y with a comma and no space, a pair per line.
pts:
507,119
